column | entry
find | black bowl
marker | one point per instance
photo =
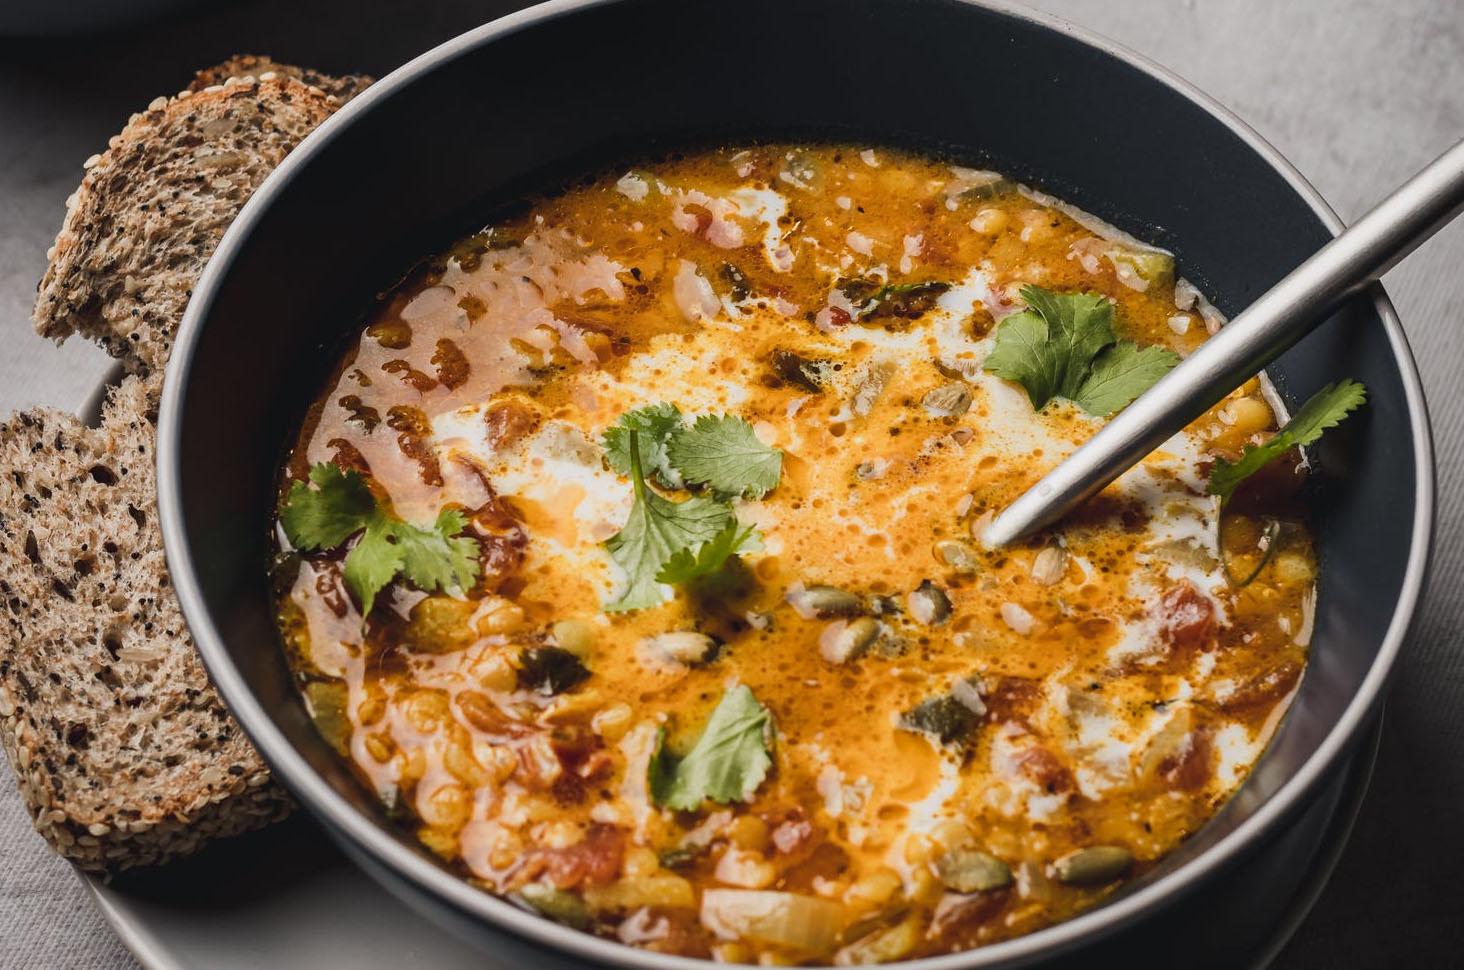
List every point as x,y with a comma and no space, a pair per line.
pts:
427,153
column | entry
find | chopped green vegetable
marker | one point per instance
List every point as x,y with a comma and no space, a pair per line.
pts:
792,368
1325,410
726,764
327,701
557,904
724,453
685,566
950,717
550,670
943,718
655,424
341,505
907,300
1150,265
1064,346
657,530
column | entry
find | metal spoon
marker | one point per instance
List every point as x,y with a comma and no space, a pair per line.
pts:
1283,315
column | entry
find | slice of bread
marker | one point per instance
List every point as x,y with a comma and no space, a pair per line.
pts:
124,751
152,208
345,87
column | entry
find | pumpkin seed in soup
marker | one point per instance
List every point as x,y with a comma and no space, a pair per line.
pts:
683,631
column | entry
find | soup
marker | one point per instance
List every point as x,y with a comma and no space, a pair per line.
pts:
633,557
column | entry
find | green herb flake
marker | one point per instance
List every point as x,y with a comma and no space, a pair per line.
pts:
654,425
727,763
657,530
1120,374
686,565
1324,410
724,453
550,670
1063,345
907,300
341,505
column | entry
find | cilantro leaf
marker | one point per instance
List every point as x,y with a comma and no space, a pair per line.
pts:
1063,345
655,424
1324,410
1079,325
1121,373
372,563
684,566
1023,354
656,530
342,505
433,558
724,453
726,764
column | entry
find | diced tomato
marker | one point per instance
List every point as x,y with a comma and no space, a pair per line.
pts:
593,861
1044,769
1187,617
507,422
792,834
1188,766
1264,690
1011,699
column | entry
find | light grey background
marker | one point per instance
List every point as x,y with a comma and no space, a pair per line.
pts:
1357,93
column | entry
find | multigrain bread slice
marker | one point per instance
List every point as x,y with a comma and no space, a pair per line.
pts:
344,87
152,208
124,751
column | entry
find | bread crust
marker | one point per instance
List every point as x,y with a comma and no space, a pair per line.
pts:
152,208
343,87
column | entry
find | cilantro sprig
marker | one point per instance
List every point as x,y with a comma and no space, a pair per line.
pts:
670,542
1324,410
341,505
727,763
657,530
1064,346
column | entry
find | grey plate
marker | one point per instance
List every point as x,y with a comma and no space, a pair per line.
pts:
286,897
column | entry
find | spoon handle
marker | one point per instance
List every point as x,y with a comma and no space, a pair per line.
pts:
1282,316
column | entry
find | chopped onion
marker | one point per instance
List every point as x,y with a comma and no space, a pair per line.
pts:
1017,618
632,186
1049,566
968,695
805,924
694,296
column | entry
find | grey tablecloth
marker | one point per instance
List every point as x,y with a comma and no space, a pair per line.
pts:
1358,93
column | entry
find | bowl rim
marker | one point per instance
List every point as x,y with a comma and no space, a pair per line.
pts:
348,822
